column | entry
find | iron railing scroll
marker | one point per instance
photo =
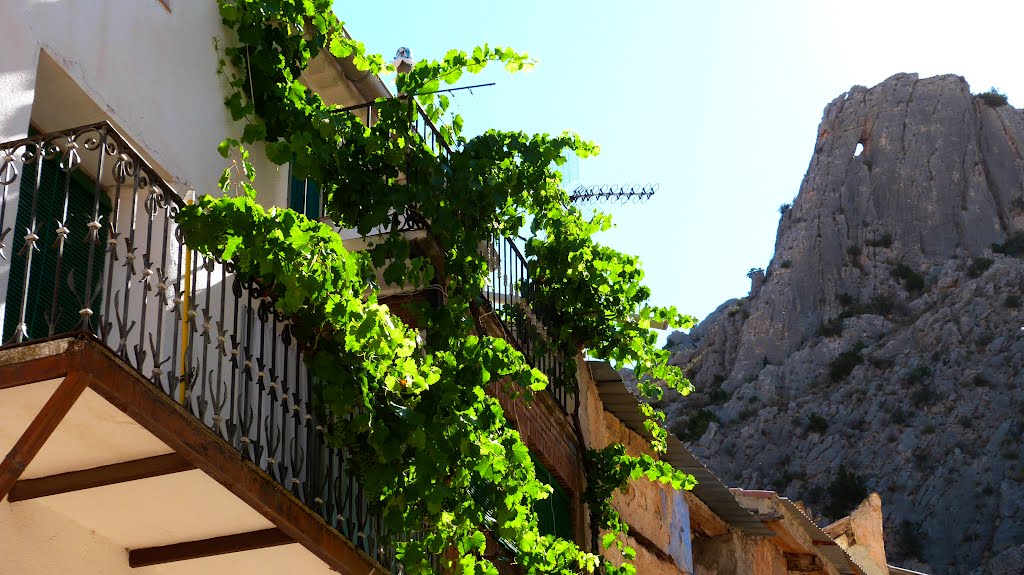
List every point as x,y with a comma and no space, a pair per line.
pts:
88,228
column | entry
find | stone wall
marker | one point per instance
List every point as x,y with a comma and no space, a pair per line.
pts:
736,554
658,515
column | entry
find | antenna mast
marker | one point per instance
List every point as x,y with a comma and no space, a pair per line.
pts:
623,194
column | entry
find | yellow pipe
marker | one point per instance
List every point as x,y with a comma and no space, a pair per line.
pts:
184,317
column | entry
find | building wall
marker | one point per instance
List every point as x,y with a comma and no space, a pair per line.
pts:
736,554
151,71
657,514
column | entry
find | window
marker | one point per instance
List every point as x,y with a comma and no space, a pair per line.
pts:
554,514
44,276
304,197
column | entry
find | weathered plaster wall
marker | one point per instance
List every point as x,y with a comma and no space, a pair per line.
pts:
591,409
736,554
658,514
647,561
869,550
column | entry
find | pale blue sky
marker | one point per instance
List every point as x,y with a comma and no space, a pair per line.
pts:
718,102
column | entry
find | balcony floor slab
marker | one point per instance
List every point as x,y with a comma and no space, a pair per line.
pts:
121,417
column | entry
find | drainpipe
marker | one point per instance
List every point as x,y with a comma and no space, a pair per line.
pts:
182,392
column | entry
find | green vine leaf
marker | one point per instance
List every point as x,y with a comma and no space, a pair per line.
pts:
431,447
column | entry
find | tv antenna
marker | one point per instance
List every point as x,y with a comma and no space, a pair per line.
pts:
623,194
601,193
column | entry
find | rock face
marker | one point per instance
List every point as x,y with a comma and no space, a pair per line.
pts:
888,332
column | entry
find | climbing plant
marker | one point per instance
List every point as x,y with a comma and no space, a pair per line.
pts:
426,440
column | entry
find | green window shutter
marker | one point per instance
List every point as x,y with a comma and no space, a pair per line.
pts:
304,197
314,209
43,275
554,514
297,195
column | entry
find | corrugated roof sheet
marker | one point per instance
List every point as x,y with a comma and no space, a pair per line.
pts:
624,405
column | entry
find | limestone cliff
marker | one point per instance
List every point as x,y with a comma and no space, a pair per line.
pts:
886,333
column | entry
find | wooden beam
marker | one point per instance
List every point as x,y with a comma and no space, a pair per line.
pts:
703,520
99,476
129,391
37,432
790,537
802,563
33,371
207,547
649,545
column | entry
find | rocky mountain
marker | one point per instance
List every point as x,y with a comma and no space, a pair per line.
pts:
883,347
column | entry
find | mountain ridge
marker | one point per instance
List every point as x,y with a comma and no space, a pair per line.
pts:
886,334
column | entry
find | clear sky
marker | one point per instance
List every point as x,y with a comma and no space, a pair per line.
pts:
716,101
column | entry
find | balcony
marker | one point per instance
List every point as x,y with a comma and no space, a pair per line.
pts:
139,379
143,378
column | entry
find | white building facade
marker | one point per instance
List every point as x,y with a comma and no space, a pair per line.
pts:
110,114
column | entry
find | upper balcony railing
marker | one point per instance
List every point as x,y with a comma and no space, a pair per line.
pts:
88,229
510,296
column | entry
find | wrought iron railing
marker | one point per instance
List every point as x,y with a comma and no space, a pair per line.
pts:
510,296
422,125
88,229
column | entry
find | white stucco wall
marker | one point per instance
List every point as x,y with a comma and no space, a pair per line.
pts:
151,71
18,63
17,74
